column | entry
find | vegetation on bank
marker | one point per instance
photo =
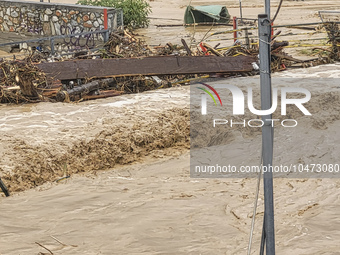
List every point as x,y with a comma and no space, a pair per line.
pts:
135,11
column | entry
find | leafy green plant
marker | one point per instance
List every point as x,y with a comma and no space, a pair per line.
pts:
135,11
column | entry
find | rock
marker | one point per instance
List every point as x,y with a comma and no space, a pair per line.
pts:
88,24
109,22
46,18
96,24
24,46
78,30
78,20
15,21
6,17
100,21
86,18
92,16
72,12
52,28
5,27
48,11
65,20
57,28
58,13
11,29
73,23
55,19
14,14
47,28
10,23
97,14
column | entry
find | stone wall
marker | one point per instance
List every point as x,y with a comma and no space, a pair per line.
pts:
56,19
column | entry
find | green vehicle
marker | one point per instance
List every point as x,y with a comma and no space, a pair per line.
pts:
206,14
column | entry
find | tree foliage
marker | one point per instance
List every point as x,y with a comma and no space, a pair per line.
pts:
135,11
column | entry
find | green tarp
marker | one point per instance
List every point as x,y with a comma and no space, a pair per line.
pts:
206,14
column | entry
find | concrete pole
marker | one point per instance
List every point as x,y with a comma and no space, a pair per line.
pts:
267,7
267,131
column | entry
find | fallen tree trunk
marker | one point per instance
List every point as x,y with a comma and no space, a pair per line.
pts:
148,66
65,95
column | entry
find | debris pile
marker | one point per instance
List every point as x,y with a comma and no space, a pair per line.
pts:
110,87
333,32
21,81
125,46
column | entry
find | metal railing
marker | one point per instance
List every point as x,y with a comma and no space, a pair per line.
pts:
51,39
329,12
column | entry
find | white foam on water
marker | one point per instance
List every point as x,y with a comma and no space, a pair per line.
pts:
119,103
37,126
6,127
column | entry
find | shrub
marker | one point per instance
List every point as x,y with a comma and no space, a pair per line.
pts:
135,11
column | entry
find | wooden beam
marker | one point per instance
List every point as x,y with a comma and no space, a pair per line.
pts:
163,65
287,57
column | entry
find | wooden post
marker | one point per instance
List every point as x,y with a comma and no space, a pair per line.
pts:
247,38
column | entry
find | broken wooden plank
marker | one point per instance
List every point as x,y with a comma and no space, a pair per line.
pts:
164,65
211,49
186,47
275,44
103,94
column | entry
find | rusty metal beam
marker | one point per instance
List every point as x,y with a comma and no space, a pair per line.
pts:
163,65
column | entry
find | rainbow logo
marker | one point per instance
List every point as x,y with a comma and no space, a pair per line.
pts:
209,93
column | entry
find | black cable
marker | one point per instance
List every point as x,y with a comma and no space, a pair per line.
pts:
4,188
277,11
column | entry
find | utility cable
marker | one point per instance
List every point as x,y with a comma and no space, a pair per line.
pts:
277,11
255,204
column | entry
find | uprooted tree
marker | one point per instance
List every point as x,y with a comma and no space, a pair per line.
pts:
135,11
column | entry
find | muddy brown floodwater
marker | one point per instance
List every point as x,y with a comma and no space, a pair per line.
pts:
151,205
130,190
